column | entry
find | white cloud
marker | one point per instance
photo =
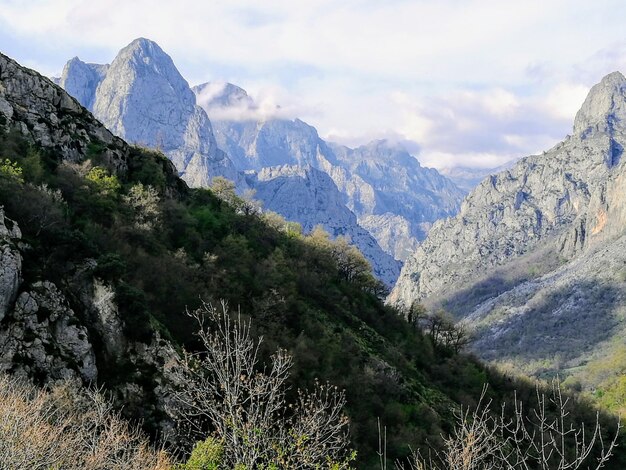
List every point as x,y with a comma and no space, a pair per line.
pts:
565,99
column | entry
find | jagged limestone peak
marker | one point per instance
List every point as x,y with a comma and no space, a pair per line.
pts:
605,106
81,80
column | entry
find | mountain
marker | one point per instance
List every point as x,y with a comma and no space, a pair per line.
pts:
534,262
387,188
307,195
105,249
393,197
81,80
141,97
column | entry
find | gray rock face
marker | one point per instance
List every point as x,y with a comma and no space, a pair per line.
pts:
10,263
543,197
142,98
385,179
532,242
81,80
306,195
105,317
393,232
604,108
44,337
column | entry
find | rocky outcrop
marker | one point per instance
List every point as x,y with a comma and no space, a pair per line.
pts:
604,109
45,114
44,338
10,263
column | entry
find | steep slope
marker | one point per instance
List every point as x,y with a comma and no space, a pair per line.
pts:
392,196
534,260
103,248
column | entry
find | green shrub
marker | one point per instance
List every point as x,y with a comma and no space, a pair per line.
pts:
104,182
11,170
206,455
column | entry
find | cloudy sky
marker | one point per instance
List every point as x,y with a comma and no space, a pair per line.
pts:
470,83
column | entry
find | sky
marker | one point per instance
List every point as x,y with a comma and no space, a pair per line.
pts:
471,83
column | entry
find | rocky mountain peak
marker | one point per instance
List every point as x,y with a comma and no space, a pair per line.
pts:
604,108
81,80
144,99
145,49
145,62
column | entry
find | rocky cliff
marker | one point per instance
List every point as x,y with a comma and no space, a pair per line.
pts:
58,320
50,117
534,254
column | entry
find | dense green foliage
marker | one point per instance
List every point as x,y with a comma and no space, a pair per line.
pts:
165,247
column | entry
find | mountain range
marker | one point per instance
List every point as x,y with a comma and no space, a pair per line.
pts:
378,194
531,262
534,263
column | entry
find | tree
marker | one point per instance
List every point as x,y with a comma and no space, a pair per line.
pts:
542,438
416,313
246,407
144,202
103,181
226,191
444,333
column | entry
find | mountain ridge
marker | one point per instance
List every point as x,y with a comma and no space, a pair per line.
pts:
142,97
386,188
533,256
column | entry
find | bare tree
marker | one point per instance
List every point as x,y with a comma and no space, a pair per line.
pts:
246,407
70,428
539,439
